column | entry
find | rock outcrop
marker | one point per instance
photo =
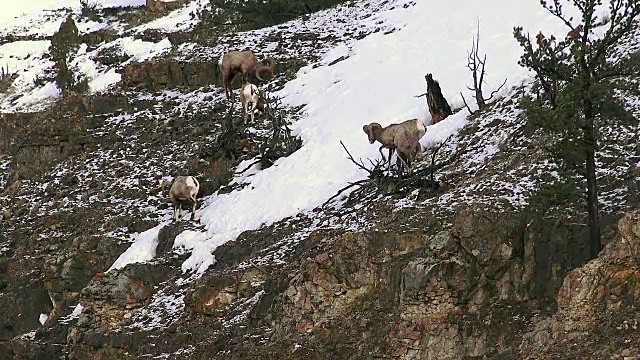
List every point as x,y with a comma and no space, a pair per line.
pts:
598,304
165,73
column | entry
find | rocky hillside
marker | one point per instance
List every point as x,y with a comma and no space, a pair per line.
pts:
486,259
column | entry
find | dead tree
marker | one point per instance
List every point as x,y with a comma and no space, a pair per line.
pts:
438,106
384,183
476,64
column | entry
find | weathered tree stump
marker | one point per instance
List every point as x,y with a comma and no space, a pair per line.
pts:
438,106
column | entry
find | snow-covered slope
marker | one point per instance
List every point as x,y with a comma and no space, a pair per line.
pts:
380,51
376,82
374,78
36,7
35,21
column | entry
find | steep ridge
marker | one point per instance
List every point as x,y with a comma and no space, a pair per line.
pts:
91,267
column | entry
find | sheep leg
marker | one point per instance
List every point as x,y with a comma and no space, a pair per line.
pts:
193,208
244,108
405,163
227,81
388,161
390,155
381,153
245,76
226,84
175,212
385,160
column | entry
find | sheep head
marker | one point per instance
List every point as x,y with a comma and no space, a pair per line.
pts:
267,70
370,131
163,185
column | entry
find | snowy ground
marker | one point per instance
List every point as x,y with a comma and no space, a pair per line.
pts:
374,78
377,82
377,78
37,20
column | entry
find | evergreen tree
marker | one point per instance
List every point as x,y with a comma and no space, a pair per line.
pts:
576,76
64,44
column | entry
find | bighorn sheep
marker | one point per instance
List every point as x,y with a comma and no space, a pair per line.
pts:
184,188
246,63
251,100
404,137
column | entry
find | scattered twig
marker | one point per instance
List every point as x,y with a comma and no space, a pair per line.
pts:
379,183
260,268
435,152
360,165
351,184
248,167
280,142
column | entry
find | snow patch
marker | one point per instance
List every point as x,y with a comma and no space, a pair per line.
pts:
37,99
200,247
143,248
77,310
179,19
141,50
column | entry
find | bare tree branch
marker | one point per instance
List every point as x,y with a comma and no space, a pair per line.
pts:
465,104
351,184
359,164
496,90
477,65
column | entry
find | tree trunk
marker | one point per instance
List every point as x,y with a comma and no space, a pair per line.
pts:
438,105
592,185
480,99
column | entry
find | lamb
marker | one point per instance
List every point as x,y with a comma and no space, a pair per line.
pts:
246,63
184,188
251,100
404,137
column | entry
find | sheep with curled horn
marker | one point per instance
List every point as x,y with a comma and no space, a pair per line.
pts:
245,63
403,137
183,188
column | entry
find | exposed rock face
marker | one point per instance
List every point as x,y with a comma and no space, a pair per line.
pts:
466,282
38,141
468,292
211,296
597,304
481,289
162,73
